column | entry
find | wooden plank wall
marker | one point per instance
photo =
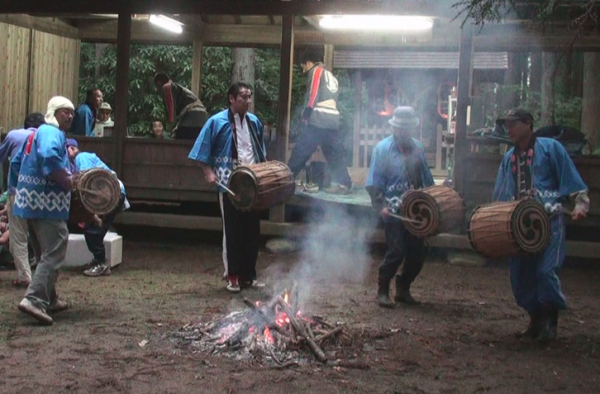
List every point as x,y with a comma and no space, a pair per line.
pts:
55,69
14,76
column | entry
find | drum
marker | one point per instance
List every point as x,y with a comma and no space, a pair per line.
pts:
504,229
95,192
261,186
433,210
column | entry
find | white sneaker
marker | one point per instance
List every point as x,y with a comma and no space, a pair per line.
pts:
39,314
233,285
257,284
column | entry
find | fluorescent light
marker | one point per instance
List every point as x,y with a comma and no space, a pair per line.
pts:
166,23
376,22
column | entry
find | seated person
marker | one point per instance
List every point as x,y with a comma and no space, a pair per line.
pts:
104,124
158,131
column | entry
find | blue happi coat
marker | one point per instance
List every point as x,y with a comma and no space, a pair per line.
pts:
388,172
534,279
37,195
215,143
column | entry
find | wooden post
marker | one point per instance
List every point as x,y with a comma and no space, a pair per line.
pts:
465,72
328,56
121,91
277,214
196,87
590,116
357,119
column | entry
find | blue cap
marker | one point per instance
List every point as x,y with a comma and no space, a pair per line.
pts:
72,142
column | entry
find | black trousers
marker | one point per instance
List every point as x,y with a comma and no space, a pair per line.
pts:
332,146
94,234
402,247
187,133
241,232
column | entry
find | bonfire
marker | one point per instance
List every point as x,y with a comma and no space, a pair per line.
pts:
276,330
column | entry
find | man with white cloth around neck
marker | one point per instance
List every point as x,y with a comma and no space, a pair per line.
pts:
40,175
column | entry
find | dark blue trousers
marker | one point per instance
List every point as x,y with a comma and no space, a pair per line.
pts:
94,234
332,146
534,279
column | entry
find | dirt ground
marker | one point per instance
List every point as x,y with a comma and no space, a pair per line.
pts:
460,340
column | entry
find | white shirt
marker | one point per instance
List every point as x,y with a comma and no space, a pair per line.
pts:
244,144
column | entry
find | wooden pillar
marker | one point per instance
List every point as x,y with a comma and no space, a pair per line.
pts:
357,119
196,87
590,114
328,56
286,64
121,90
465,72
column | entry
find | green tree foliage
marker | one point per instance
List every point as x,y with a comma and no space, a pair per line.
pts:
145,104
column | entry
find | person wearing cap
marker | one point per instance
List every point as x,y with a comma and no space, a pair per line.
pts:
398,164
184,109
40,175
321,120
540,168
18,234
94,233
84,120
103,121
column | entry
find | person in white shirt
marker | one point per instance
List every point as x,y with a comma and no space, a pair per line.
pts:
104,124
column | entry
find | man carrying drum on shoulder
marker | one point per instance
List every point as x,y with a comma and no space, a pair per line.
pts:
94,233
398,164
540,168
229,138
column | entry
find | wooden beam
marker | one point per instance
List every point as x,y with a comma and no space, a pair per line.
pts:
228,7
122,90
197,67
285,100
141,32
328,56
357,76
46,25
465,73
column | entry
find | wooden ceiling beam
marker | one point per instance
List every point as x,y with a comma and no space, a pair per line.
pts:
46,25
228,7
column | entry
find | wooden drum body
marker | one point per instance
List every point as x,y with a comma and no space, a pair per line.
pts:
433,210
261,186
504,229
95,192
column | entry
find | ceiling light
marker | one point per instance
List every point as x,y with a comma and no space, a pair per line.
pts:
166,23
376,22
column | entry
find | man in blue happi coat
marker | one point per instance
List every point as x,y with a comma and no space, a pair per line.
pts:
229,138
42,181
94,232
398,164
84,120
540,168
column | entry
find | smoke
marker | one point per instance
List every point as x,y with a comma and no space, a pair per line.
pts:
334,249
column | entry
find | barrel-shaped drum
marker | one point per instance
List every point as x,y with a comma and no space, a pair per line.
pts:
505,229
95,192
261,186
432,210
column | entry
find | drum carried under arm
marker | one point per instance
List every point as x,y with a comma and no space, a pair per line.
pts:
95,192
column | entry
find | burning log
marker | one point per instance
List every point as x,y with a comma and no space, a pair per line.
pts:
266,320
318,352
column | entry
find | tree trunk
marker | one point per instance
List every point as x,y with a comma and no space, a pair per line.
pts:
535,73
243,69
512,82
549,73
590,114
100,48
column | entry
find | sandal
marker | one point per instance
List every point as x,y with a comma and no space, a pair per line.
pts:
20,283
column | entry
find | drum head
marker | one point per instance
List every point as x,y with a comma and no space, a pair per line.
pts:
244,184
99,191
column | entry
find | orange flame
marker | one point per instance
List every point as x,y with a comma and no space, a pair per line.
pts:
389,107
268,336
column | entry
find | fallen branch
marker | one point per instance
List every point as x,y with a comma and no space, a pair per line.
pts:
349,364
330,334
317,351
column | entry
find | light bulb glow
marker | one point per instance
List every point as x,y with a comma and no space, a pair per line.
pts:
376,22
166,23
